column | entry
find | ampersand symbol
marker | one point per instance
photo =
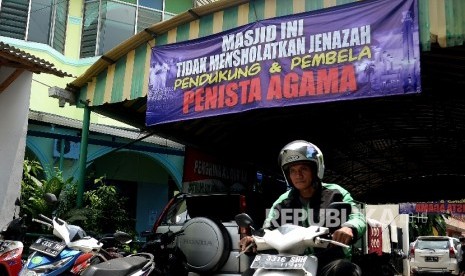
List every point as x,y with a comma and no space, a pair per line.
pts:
275,68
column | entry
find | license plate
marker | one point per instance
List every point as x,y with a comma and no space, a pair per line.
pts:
278,262
48,247
431,259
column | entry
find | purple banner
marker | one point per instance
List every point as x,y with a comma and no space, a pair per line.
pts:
443,207
359,50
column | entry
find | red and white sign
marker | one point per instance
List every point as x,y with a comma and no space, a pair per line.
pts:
204,174
375,239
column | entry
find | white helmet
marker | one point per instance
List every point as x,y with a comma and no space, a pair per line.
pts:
300,150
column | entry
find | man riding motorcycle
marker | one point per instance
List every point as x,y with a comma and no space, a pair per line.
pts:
306,204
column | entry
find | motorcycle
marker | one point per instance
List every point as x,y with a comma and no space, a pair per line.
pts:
52,257
139,264
290,242
11,245
108,251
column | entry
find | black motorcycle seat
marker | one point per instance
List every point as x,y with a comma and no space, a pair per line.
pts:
116,267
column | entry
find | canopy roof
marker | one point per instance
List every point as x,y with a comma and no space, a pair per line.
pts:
384,150
22,61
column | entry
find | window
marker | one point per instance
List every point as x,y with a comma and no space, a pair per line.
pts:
42,21
157,4
13,18
117,25
107,23
147,17
59,26
433,244
89,30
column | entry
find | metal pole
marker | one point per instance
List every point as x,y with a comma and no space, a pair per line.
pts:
83,155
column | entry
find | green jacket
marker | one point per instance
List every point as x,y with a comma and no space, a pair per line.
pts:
325,194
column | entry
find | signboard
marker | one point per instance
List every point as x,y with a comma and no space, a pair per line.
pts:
359,50
375,239
432,207
205,174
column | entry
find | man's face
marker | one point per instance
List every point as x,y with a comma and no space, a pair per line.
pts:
301,175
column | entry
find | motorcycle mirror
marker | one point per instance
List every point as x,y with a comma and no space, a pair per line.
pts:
122,237
243,220
50,198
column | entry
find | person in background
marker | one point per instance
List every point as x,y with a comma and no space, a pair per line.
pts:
460,255
303,167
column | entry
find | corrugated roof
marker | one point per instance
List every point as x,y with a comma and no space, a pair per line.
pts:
147,36
199,3
132,134
16,58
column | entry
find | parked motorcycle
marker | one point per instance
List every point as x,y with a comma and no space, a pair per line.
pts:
110,250
11,245
53,257
74,252
139,264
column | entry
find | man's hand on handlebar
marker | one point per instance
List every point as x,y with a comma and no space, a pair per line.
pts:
343,235
246,244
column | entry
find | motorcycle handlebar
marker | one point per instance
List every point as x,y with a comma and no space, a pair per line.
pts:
322,240
59,221
169,236
178,233
42,222
46,218
49,220
319,238
166,238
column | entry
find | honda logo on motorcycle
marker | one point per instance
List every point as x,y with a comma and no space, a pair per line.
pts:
197,242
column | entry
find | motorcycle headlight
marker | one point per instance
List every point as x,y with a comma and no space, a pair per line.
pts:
40,270
27,272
